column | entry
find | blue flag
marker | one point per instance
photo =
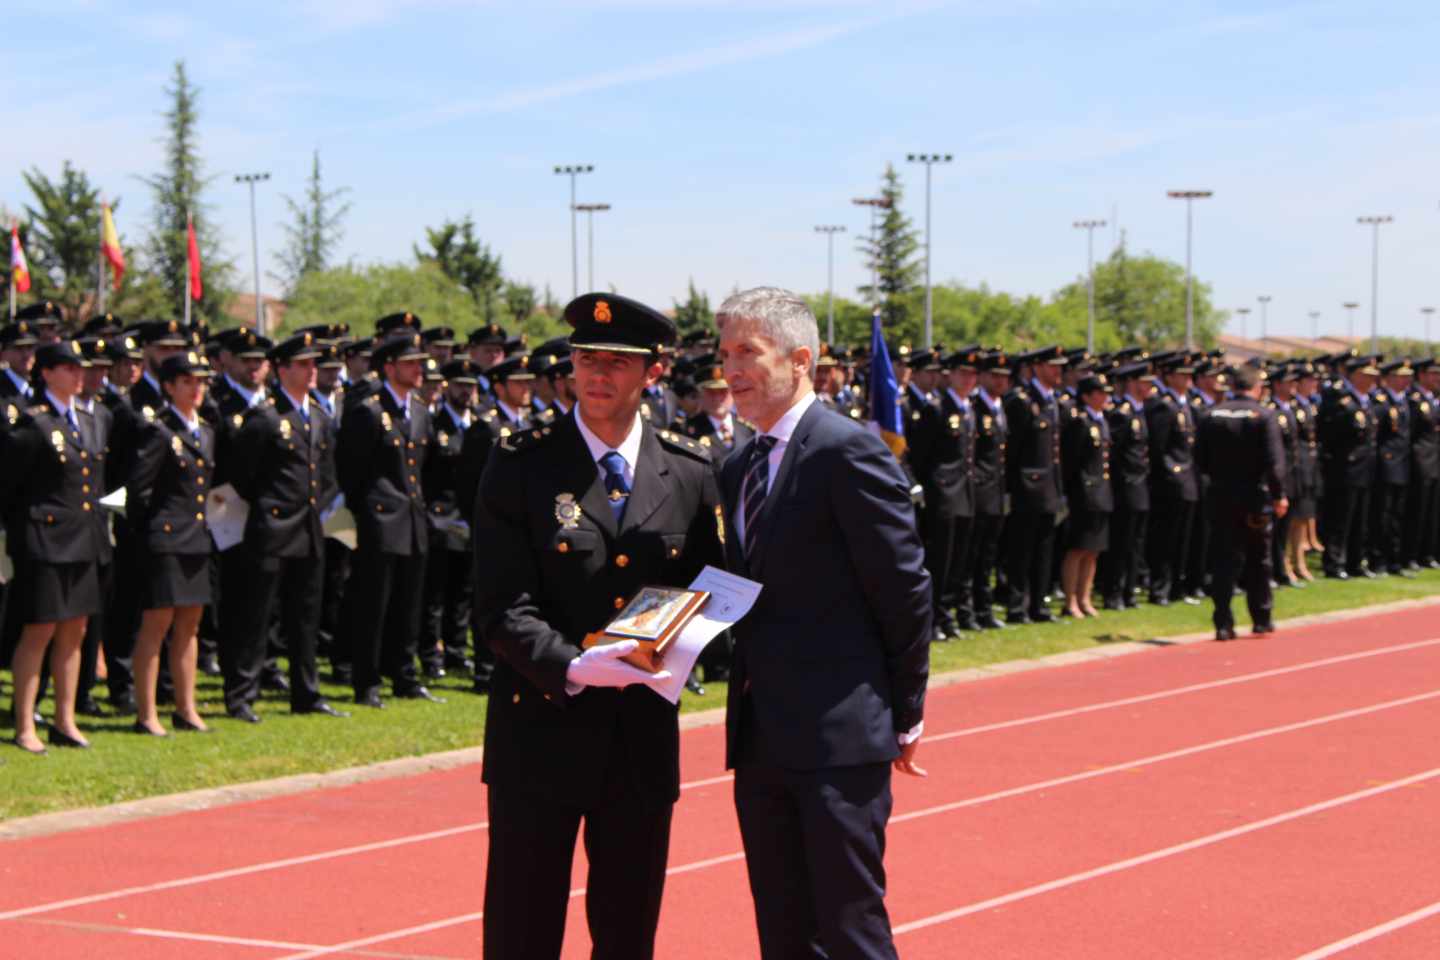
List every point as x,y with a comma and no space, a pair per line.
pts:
886,417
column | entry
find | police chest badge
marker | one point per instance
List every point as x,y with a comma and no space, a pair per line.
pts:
986,423
385,420
284,429
238,420
1095,433
58,439
177,445
1360,418
444,439
1135,425
954,421
567,511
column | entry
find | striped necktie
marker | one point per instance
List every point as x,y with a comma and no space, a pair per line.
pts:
754,488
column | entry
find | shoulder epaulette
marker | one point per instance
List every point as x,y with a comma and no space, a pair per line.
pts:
546,416
683,444
373,400
41,409
519,440
148,412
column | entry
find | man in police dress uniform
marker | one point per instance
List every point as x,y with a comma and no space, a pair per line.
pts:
1422,507
1130,454
1392,462
572,519
1348,431
1174,486
991,440
1033,479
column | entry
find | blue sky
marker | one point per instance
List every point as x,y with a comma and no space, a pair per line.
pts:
722,133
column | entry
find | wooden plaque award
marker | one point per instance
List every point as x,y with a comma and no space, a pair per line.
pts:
654,617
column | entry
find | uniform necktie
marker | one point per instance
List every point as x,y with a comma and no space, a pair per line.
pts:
70,419
305,415
727,436
195,435
617,488
754,487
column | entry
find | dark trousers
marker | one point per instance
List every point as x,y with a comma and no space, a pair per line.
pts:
449,587
208,635
1387,527
814,850
1421,506
986,537
1279,537
122,617
1030,539
948,556
527,872
1171,522
1241,543
385,596
334,641
1197,564
1119,567
1344,517
254,585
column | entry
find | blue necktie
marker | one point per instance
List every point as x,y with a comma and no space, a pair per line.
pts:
305,415
70,418
753,489
617,488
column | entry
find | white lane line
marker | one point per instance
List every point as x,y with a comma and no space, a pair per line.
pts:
319,856
1179,848
986,798
1375,932
1180,691
217,938
382,937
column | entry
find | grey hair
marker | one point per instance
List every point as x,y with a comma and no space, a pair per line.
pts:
782,316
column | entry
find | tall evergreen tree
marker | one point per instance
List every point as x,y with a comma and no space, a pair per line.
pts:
314,230
466,260
63,242
695,312
177,191
892,255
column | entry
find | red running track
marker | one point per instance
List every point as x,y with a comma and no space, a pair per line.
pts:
1272,798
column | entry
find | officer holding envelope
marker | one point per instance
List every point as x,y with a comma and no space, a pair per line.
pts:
572,518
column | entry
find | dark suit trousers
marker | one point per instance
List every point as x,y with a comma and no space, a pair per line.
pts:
449,587
254,585
1030,540
1119,568
333,633
386,595
814,850
949,555
527,872
1197,565
1344,518
1171,521
986,537
1420,521
1241,541
1387,515
122,616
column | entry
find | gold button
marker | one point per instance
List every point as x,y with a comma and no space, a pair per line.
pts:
199,498
49,518
619,603
85,507
200,481
84,455
312,468
674,552
515,699
379,508
84,471
622,561
312,501
199,461
412,478
200,517
411,444
85,488
274,511
564,547
412,461
167,528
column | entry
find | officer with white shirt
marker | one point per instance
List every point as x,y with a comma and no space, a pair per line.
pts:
716,425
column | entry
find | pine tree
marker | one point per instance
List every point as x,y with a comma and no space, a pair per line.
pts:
314,230
63,242
177,193
695,312
892,255
467,261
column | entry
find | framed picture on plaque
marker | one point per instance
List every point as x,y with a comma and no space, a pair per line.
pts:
654,617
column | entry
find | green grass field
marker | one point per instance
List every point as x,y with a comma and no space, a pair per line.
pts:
125,766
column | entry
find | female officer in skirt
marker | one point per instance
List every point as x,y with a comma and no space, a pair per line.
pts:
1085,455
50,492
165,503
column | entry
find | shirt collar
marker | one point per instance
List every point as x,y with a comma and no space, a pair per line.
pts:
86,405
960,401
1043,390
155,384
784,428
461,418
303,404
720,423
63,409
990,401
192,425
21,384
404,405
252,397
511,413
629,448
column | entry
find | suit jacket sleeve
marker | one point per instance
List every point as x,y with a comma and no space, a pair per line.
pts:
355,451
1273,452
871,503
149,457
246,450
507,586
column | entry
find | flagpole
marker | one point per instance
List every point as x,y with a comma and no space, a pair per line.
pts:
100,264
15,225
186,285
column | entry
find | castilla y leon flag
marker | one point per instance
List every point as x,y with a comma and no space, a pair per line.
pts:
196,288
110,244
19,269
886,418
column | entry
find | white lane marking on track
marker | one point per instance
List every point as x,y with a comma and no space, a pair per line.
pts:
1375,932
381,937
1154,855
470,827
1000,795
218,938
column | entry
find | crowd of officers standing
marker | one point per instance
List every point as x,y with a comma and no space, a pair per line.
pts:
1049,473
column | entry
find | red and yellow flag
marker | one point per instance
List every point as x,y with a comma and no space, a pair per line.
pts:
196,288
110,244
19,269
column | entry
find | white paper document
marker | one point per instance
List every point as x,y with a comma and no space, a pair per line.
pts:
338,522
731,597
115,501
225,515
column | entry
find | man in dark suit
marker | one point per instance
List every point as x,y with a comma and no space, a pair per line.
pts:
572,519
1032,465
828,686
1240,448
383,443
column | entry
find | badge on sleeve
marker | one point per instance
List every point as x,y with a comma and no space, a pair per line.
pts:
567,511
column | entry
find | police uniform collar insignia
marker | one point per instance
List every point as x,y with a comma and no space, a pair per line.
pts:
567,511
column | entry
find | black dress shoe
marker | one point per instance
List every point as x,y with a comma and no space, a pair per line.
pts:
1190,600
940,636
1224,633
970,624
464,663
417,692
1404,572
243,712
1041,616
435,673
1261,629
694,687
88,707
1132,604
123,706
1017,619
1159,601
371,699
989,623
1336,575
58,738
324,708
139,727
180,723
275,682
209,665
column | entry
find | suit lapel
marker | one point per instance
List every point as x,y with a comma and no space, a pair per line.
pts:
650,489
584,482
767,519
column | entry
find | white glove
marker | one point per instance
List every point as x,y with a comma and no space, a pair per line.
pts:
601,666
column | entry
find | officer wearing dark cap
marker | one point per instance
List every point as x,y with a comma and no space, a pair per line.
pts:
1033,480
1130,474
403,320
1392,479
382,448
1174,487
158,339
715,425
44,317
992,433
1281,381
17,353
487,347
280,462
1086,458
573,519
1422,506
1241,448
561,377
510,381
1349,429
1206,390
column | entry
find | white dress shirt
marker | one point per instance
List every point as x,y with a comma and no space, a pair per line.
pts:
782,431
629,448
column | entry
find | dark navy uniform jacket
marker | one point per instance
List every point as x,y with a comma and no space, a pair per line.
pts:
1172,447
169,484
991,441
1129,455
51,485
1392,438
1033,460
1241,446
1348,431
380,458
284,467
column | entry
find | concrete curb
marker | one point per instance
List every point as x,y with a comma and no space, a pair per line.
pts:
62,821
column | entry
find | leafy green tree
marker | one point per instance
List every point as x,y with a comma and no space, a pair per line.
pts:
63,240
891,256
314,230
461,256
361,295
519,302
695,312
1141,301
177,192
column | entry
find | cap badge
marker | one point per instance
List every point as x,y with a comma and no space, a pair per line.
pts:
602,312
567,511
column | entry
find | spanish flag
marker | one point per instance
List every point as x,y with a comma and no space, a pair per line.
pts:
110,244
19,269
